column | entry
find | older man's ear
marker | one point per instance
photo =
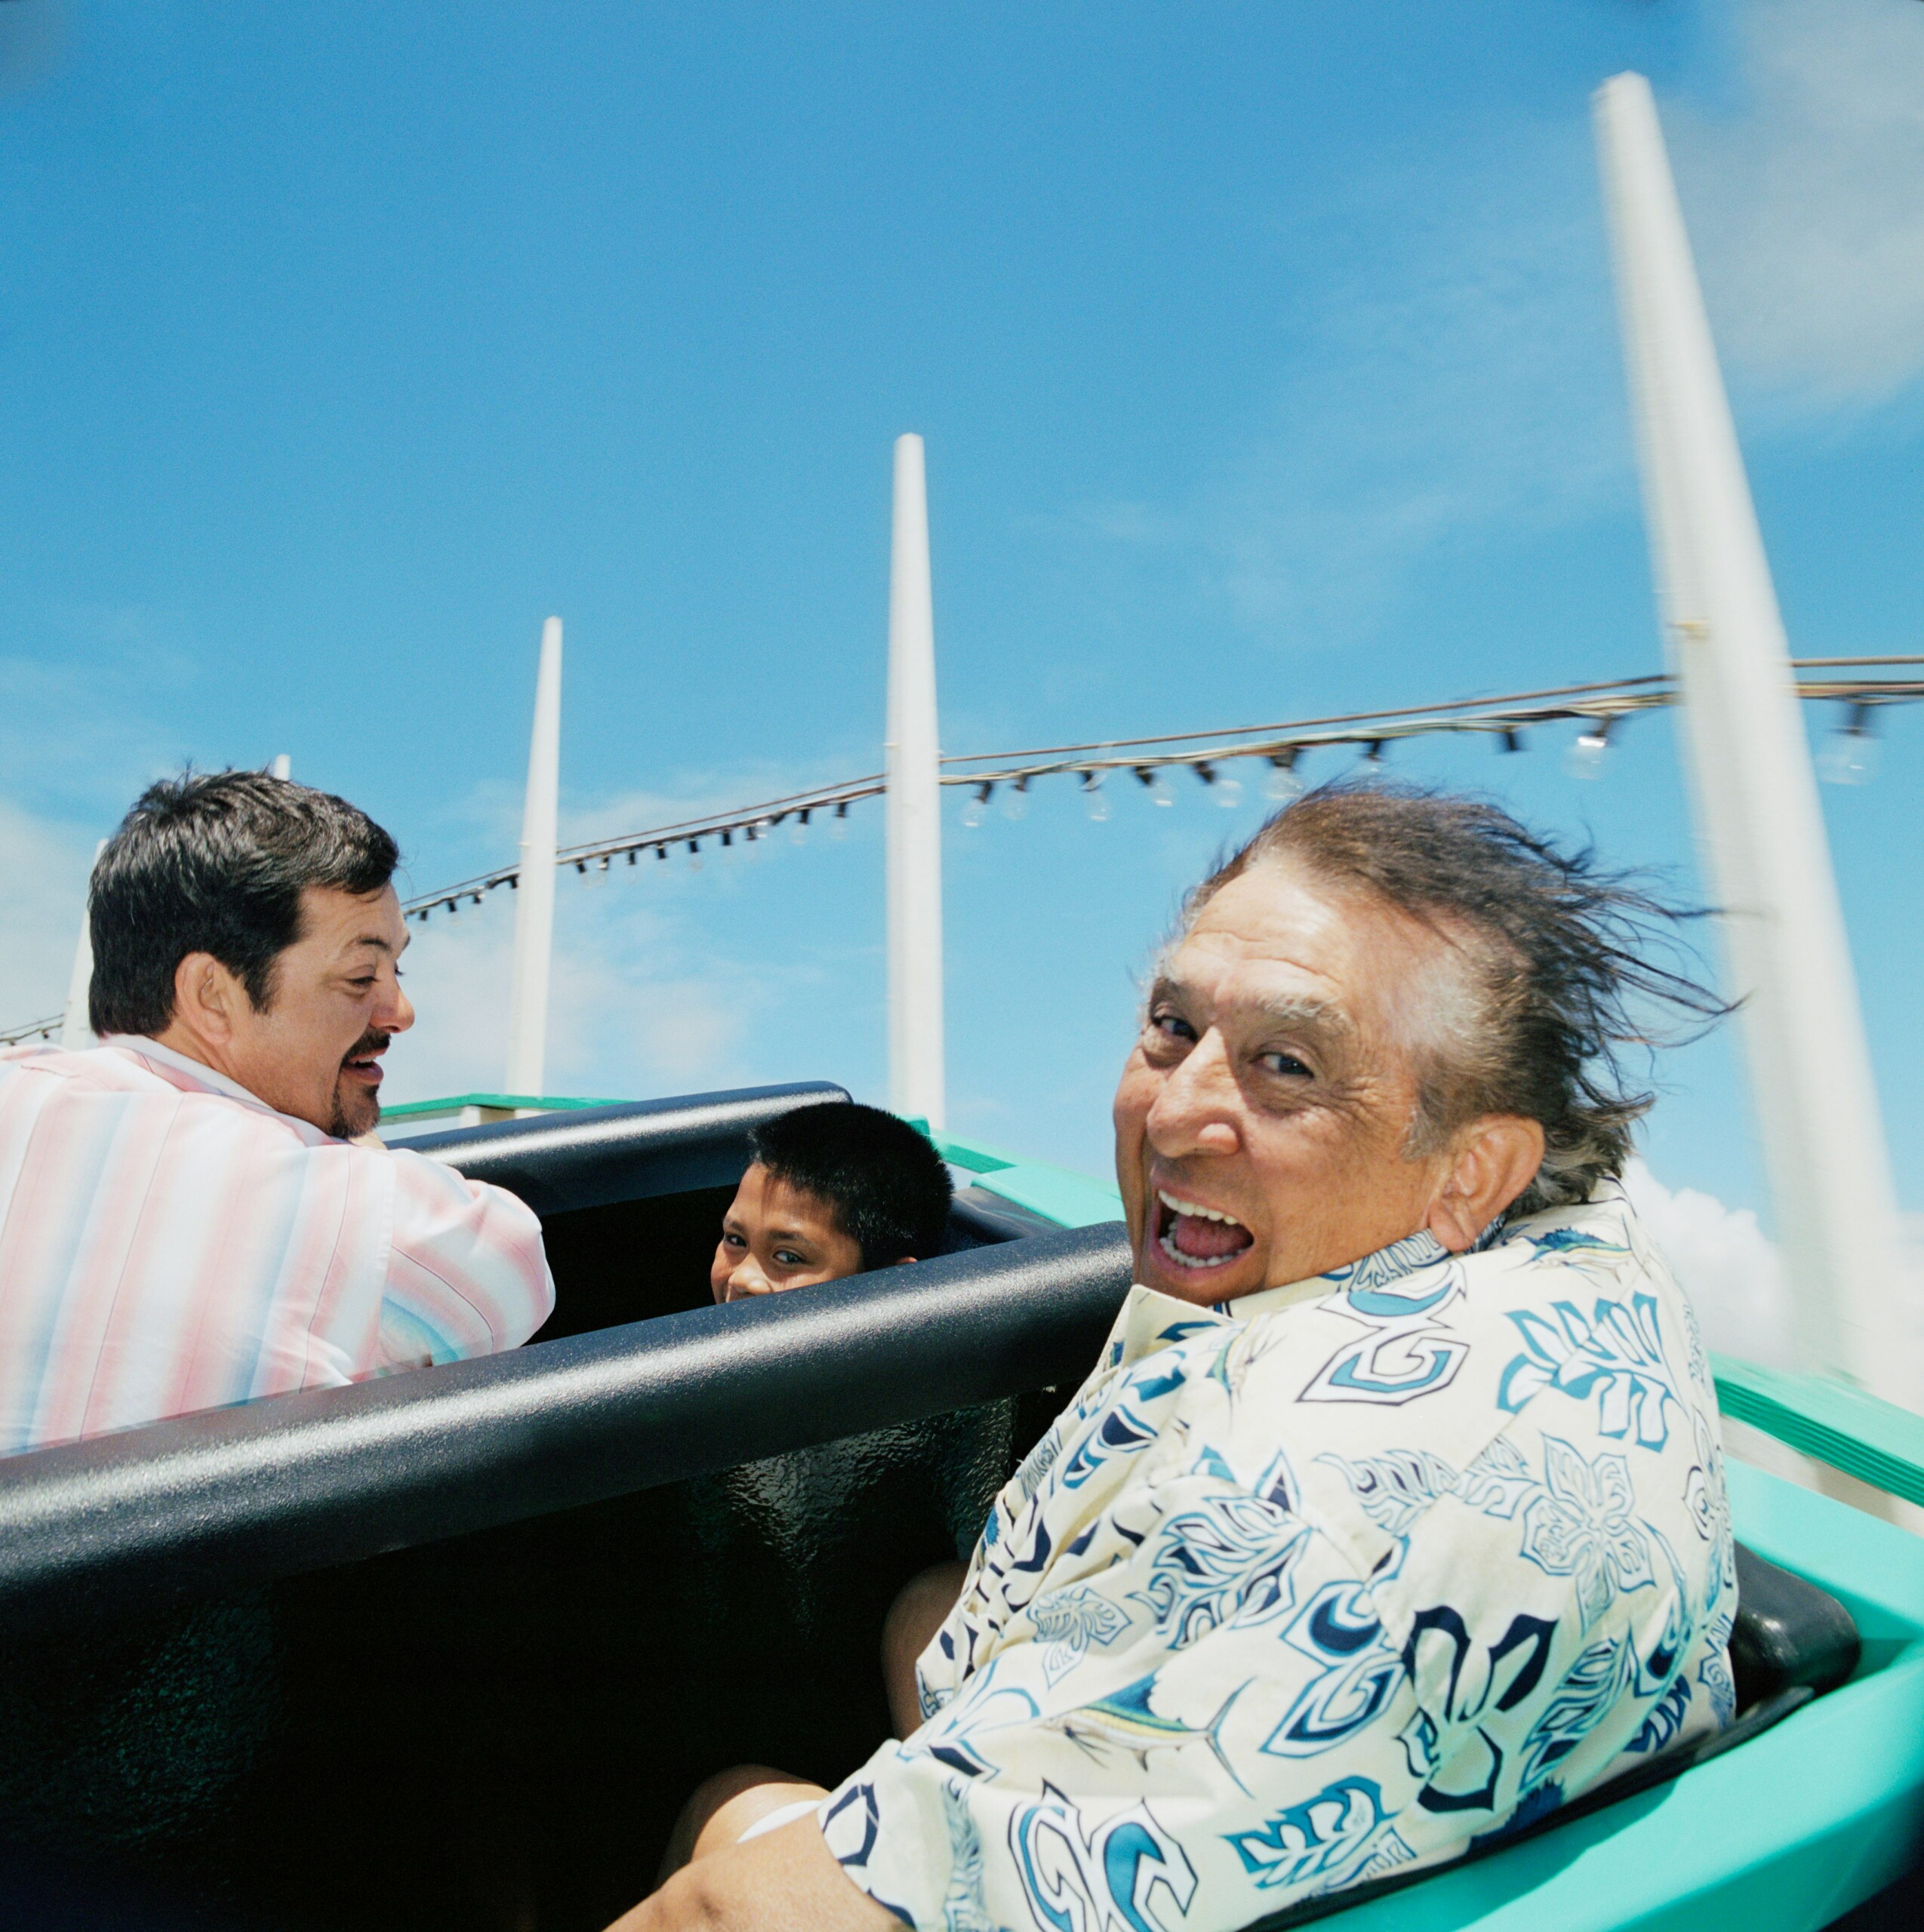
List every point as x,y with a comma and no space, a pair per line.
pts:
1496,1158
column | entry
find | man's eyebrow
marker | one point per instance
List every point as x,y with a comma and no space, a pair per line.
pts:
1322,1016
1299,1009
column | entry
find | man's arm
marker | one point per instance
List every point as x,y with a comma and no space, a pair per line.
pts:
785,1881
466,1274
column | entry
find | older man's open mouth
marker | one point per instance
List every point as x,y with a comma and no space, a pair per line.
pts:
1193,1236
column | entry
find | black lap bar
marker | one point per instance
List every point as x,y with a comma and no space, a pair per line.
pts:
208,1504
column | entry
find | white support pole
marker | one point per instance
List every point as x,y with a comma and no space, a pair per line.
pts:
916,1083
535,897
1755,791
76,1030
282,766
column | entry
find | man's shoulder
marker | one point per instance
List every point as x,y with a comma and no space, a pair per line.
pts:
137,1077
1387,1395
104,1069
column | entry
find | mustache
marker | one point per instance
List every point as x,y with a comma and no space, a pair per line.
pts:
374,1041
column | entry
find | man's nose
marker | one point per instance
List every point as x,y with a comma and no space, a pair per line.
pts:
1196,1106
748,1278
397,1013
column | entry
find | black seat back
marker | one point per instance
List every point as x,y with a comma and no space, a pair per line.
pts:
636,1150
1789,1634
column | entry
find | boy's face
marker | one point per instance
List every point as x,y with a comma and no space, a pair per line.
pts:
775,1237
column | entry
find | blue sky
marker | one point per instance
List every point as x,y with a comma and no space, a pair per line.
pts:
1267,364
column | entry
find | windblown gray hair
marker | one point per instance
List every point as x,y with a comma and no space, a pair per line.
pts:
1567,966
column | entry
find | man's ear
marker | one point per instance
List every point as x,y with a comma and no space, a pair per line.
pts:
206,998
1496,1159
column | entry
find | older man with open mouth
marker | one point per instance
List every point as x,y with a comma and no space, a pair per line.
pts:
1392,1516
196,1211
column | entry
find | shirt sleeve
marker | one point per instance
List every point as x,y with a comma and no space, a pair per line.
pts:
1193,1732
466,1274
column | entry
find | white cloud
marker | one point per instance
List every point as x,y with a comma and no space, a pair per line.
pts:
1806,202
660,984
1447,379
77,734
639,1004
43,865
1726,1264
1734,1275
1465,372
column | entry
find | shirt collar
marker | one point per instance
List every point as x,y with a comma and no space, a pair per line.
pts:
192,1073
1151,1320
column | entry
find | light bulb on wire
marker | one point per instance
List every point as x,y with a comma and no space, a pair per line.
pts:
1282,783
977,808
1584,759
1227,792
1015,800
1850,757
1159,793
1095,800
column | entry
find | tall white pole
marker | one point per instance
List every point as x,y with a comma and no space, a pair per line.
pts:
916,1082
1755,791
76,1030
282,766
535,898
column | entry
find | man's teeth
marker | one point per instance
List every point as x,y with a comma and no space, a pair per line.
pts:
1194,1210
1190,1208
1168,1244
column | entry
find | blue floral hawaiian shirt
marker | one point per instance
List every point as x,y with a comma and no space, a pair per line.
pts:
1335,1578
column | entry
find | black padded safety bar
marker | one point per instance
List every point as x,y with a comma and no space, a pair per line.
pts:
208,1504
588,1157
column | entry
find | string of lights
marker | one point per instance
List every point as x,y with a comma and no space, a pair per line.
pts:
1601,710
34,1029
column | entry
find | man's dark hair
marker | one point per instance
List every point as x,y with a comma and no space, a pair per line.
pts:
885,1185
1562,960
216,861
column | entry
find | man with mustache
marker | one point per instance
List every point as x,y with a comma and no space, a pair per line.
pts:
1391,1517
197,1211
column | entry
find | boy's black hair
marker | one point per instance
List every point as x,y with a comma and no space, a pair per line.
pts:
886,1187
216,861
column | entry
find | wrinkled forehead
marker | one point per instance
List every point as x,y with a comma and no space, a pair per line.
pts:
1280,935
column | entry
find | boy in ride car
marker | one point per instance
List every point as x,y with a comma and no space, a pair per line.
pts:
834,1189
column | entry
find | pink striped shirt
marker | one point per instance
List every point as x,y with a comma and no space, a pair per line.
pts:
168,1243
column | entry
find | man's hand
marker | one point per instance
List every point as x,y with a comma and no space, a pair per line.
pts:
785,1881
